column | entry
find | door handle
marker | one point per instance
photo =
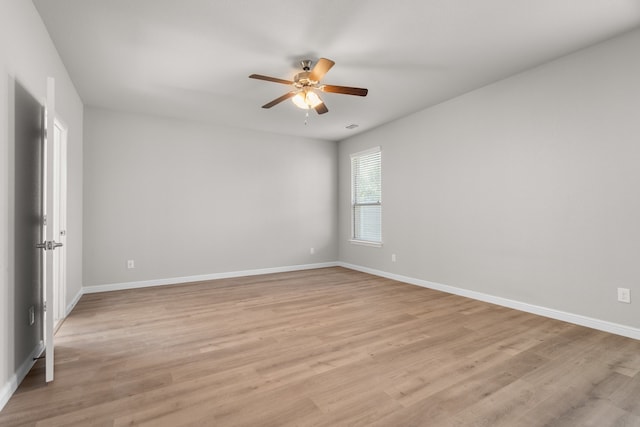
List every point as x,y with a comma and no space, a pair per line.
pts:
48,245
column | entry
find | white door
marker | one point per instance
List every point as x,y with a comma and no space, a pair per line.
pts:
34,241
50,242
60,223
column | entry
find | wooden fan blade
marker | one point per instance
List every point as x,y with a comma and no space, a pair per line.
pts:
346,90
321,108
270,79
279,100
322,66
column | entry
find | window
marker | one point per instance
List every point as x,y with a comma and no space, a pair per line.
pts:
366,197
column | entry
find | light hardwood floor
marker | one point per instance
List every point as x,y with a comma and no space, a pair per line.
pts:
326,347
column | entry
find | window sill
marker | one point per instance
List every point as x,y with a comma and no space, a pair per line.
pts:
366,243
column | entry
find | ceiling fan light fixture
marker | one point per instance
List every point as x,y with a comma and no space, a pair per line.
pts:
306,100
299,100
313,99
305,85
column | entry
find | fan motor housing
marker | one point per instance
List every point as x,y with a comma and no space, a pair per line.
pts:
302,79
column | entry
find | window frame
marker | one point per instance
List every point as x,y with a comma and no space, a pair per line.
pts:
353,205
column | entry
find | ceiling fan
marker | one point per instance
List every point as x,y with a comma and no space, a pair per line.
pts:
306,83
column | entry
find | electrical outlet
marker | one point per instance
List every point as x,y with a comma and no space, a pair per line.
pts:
393,257
32,315
624,295
131,264
312,251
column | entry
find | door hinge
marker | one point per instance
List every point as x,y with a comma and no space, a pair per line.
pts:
44,306
44,220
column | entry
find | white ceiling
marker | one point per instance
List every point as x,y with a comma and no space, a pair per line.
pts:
192,58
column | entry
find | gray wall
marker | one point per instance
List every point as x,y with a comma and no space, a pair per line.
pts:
27,55
185,199
526,189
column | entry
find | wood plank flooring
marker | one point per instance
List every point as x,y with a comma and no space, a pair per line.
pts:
326,347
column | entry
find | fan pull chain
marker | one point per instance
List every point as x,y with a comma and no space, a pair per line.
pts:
306,118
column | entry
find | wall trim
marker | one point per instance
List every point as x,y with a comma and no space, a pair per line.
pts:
203,277
73,302
12,384
602,325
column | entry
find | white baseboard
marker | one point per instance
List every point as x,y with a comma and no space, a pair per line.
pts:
74,302
202,277
602,325
12,385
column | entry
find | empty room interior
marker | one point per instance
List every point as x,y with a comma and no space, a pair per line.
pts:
270,213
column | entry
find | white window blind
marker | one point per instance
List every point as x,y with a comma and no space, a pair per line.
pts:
366,199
